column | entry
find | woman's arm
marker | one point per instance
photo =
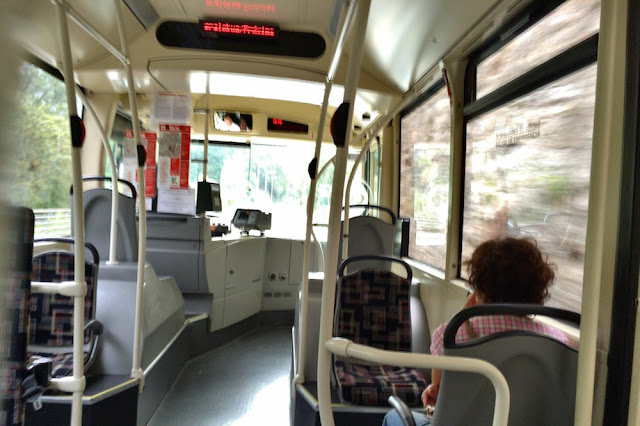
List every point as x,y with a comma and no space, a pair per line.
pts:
430,394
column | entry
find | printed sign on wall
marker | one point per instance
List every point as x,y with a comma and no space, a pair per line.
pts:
173,156
130,162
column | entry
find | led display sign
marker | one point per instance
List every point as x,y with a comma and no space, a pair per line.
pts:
280,125
226,28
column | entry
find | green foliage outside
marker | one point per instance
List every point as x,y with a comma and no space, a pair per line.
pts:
41,134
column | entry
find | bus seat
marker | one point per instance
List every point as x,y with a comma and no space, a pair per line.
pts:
97,220
19,245
373,308
541,372
369,234
51,316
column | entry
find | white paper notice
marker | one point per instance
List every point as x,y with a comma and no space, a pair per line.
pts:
171,108
177,201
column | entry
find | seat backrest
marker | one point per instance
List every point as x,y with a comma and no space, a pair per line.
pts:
541,373
51,316
97,220
18,242
372,304
369,234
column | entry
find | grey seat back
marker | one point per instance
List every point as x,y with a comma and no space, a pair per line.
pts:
541,373
97,221
369,235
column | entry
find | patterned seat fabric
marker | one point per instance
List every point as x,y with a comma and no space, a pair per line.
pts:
372,385
14,324
373,309
51,316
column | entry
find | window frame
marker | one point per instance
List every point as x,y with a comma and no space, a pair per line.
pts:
575,58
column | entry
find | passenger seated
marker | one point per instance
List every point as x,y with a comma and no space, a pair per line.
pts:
502,270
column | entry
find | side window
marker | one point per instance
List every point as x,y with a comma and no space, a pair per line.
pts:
528,153
43,151
569,24
424,177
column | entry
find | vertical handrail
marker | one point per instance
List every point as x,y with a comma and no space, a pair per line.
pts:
113,236
337,191
136,370
77,135
205,154
314,175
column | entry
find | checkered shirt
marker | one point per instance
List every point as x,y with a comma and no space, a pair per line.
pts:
490,324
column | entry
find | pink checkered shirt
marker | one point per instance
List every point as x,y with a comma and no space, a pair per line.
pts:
490,324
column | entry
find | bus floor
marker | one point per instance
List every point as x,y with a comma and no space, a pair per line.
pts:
244,382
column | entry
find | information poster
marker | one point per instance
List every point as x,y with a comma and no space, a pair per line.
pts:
172,108
130,162
173,156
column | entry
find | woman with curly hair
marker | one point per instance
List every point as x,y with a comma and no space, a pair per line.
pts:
502,270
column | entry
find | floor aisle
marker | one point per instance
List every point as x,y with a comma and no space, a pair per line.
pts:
242,383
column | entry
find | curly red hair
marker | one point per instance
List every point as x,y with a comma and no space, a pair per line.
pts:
510,270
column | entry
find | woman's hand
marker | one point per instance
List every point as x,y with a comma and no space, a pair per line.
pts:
471,301
429,395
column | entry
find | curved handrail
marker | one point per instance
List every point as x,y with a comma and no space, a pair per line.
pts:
134,192
379,208
355,259
113,232
346,348
449,339
87,244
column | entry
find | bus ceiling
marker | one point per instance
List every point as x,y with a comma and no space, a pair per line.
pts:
405,40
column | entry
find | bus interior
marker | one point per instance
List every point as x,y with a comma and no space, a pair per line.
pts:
222,158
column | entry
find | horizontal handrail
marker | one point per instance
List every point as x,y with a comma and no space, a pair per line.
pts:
346,348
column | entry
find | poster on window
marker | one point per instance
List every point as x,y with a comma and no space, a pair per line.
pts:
130,162
173,156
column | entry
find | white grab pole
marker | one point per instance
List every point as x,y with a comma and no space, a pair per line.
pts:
205,154
314,175
78,219
113,236
136,370
337,192
346,348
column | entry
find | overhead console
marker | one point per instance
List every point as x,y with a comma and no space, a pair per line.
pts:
221,34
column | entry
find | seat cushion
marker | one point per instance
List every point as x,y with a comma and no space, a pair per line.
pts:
371,385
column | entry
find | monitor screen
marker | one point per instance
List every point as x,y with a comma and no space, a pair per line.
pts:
215,197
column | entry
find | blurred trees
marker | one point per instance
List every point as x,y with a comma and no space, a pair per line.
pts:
40,130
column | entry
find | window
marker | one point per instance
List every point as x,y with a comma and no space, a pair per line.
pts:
570,23
528,149
424,178
43,158
228,165
270,176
